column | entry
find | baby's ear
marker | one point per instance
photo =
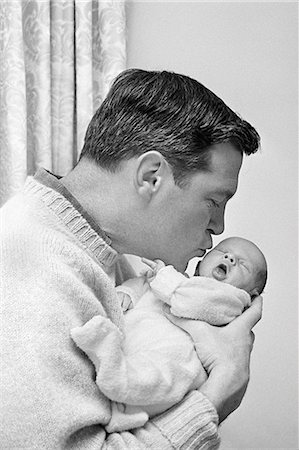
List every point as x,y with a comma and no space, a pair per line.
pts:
254,293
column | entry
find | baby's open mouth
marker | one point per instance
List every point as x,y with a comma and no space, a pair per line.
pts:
220,272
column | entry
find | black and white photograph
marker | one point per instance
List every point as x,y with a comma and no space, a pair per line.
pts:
149,225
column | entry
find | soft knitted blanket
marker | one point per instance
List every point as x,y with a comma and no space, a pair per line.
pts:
200,298
154,364
58,271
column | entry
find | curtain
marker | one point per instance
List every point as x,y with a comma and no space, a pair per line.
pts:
57,61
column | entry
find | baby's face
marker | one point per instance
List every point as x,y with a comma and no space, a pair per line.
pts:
234,261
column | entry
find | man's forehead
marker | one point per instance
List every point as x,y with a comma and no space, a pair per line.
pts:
225,158
225,166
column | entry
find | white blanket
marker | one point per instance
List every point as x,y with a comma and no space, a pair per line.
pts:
154,364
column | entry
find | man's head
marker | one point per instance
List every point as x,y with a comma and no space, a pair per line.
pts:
165,153
168,113
236,261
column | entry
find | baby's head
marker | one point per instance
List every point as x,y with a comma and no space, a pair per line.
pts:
236,261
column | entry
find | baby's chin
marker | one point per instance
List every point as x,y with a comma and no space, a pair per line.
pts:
217,275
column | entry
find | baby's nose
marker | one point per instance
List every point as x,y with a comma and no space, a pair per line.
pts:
230,257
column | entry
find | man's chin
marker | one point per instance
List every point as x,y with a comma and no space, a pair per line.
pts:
181,266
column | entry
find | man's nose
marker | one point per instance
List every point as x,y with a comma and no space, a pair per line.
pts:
230,257
216,225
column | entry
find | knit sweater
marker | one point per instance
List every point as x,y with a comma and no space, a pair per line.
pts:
58,270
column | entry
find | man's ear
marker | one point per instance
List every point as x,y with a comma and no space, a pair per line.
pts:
151,170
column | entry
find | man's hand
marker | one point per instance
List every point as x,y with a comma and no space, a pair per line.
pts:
155,266
225,354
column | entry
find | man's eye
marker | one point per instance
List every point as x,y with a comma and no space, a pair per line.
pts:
213,203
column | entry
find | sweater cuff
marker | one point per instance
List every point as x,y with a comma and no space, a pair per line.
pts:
166,281
192,424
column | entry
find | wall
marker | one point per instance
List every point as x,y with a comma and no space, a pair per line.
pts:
247,54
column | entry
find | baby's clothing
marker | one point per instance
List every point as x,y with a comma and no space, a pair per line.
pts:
153,364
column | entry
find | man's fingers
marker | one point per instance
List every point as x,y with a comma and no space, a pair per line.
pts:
149,262
251,316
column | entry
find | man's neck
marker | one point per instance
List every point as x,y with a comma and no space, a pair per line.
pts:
101,194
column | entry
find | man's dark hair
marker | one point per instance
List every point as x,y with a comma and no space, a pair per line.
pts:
167,112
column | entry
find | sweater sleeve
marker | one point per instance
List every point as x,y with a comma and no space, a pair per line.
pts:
192,425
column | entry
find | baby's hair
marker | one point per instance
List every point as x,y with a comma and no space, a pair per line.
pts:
262,274
261,279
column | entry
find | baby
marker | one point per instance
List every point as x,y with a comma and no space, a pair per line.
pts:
238,262
153,364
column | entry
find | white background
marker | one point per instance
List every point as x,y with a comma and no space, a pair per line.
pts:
247,54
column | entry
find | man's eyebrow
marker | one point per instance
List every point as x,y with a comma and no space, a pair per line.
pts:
226,192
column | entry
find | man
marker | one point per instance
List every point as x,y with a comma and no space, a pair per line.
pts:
161,159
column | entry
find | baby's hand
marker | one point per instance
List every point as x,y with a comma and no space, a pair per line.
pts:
155,266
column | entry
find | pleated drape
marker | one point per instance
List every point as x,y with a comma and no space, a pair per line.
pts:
57,61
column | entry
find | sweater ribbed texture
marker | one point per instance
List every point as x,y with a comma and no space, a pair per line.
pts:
188,430
56,273
74,221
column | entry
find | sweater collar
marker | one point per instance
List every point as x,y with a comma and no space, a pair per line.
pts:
53,181
58,198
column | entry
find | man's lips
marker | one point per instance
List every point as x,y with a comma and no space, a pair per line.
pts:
204,249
